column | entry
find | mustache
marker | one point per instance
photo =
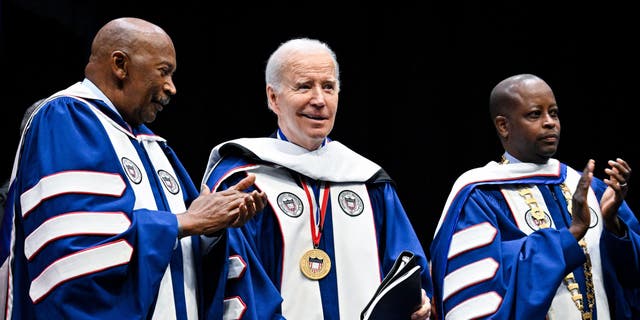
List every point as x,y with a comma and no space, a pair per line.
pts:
164,101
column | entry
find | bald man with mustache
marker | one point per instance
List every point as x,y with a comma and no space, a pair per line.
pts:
107,224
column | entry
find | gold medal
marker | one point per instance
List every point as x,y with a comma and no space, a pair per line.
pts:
315,264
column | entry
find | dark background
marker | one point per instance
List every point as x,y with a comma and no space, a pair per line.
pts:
415,77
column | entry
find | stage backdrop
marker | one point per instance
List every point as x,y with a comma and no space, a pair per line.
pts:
415,78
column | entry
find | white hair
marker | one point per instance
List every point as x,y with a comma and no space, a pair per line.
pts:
279,58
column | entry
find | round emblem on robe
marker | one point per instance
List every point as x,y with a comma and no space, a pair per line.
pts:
536,224
290,204
169,182
131,170
351,203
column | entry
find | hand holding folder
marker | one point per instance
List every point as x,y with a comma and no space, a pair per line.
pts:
399,294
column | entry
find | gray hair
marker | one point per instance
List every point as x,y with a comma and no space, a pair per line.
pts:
279,59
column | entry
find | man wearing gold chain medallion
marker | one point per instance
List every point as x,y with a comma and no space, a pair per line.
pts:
529,237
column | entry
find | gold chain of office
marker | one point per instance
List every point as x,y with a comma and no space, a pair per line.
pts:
569,280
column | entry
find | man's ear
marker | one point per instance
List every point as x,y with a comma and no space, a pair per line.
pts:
272,99
119,64
501,123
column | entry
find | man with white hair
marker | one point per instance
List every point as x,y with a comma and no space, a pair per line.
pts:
334,224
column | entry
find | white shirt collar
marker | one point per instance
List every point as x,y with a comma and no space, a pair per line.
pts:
96,91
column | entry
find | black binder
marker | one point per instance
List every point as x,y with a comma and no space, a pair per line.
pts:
399,294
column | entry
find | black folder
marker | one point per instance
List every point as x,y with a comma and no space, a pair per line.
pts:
399,294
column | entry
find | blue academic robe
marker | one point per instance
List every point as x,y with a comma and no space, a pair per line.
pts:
491,260
94,233
364,230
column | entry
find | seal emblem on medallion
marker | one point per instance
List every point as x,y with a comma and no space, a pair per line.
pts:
315,264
